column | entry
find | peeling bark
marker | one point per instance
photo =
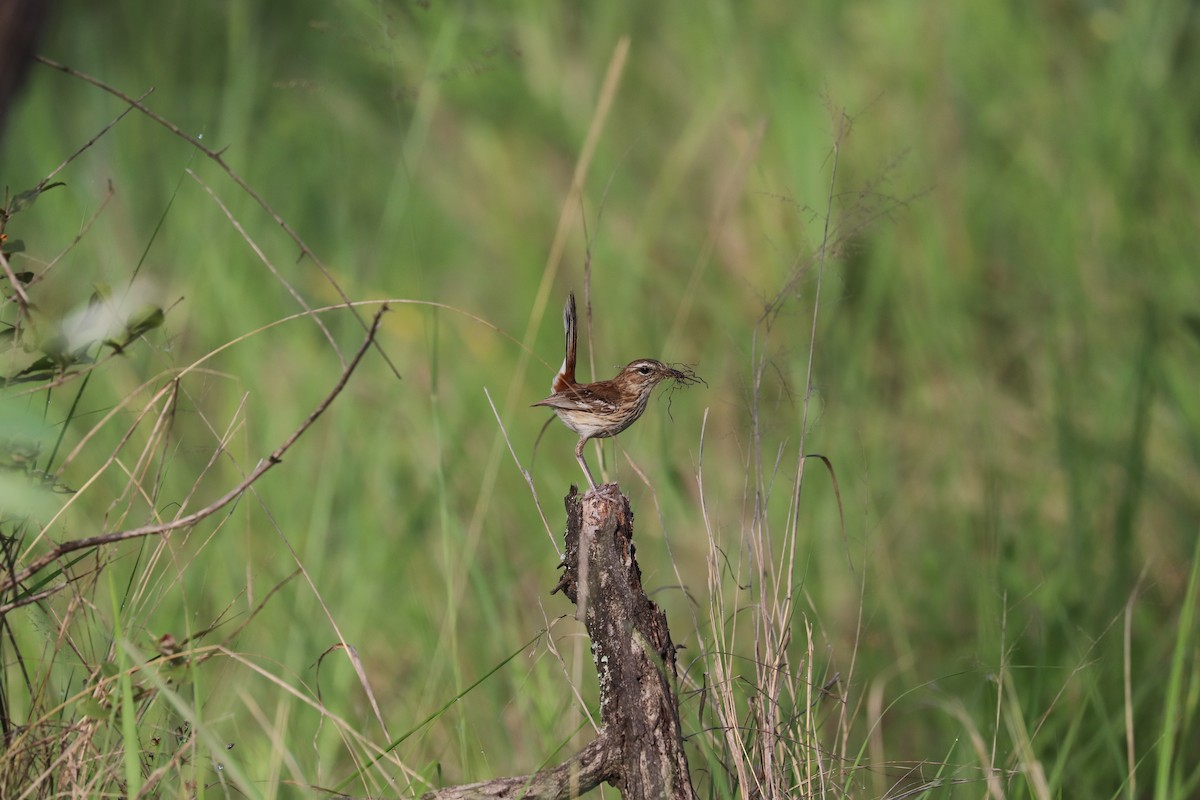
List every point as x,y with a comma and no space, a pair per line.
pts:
640,747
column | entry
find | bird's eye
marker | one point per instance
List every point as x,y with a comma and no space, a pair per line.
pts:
644,370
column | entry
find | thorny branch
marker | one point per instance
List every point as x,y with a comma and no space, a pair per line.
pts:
218,157
14,579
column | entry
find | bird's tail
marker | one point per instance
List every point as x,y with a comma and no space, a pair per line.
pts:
566,373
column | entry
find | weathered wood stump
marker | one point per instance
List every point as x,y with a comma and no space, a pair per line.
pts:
21,24
640,747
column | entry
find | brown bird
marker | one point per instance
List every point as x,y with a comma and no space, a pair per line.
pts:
604,408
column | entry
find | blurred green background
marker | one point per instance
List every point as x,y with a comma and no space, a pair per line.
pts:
1006,374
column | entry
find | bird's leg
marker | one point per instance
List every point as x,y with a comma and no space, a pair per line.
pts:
583,462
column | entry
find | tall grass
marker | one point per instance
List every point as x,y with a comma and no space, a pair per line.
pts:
1002,602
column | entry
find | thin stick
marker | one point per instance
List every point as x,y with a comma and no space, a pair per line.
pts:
253,245
388,301
216,156
264,465
44,182
524,472
18,289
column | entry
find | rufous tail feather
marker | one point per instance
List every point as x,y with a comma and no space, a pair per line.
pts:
566,373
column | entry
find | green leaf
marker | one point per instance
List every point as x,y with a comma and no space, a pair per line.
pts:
147,319
27,198
143,321
43,363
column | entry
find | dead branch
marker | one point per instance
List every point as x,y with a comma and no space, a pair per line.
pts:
593,765
217,156
36,565
640,747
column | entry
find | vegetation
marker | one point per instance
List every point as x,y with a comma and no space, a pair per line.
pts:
952,251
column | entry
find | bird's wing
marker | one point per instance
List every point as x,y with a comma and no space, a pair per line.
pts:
577,401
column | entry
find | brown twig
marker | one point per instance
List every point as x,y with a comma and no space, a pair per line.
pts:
262,256
18,289
217,157
45,182
23,299
263,466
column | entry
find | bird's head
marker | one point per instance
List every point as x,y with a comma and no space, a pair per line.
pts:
643,375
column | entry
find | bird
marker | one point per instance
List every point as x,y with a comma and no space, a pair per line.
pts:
604,408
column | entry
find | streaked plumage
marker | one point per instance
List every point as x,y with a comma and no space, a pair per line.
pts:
604,408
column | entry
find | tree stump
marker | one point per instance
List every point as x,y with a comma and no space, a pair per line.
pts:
21,24
640,746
